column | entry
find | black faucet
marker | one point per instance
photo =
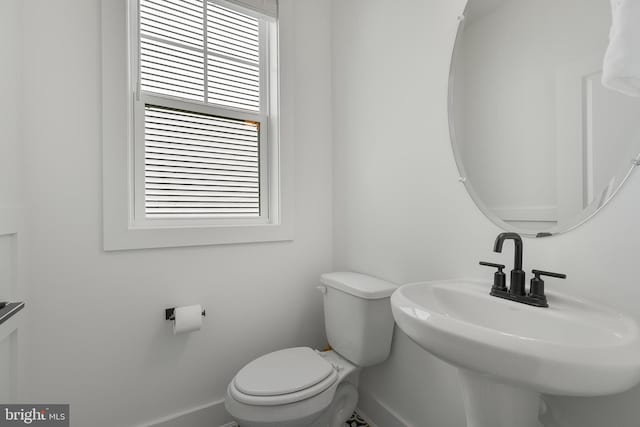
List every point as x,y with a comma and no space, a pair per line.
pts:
516,291
517,275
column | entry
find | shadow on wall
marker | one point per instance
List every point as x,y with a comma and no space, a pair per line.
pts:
617,410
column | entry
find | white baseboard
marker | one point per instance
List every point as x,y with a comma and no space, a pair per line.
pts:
213,414
208,415
377,413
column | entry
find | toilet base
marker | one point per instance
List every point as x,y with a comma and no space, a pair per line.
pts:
344,403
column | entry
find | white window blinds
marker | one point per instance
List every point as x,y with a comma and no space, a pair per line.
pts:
233,42
172,48
177,59
198,164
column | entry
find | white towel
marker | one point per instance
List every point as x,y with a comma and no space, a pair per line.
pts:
621,69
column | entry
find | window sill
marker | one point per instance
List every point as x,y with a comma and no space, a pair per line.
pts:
146,238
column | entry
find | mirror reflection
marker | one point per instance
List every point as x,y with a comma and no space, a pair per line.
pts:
541,143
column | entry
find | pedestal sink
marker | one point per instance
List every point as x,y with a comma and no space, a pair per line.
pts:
508,353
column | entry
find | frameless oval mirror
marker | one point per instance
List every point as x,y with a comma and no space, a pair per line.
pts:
540,143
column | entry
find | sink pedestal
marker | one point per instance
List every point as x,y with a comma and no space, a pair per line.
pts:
489,403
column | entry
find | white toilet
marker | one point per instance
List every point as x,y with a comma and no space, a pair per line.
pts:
302,387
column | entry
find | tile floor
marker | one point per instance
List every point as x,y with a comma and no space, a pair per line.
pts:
356,421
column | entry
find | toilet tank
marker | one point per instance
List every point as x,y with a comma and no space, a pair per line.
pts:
357,316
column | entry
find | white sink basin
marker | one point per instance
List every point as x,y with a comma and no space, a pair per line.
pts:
572,348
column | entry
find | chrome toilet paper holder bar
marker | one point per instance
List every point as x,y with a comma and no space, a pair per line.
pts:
170,313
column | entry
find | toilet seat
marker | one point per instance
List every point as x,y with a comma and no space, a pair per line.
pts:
282,377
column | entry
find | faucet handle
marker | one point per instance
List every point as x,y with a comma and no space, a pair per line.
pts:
490,264
539,273
536,289
499,278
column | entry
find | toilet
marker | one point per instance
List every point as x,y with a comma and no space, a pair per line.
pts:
303,387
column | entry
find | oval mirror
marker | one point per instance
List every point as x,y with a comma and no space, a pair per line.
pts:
540,143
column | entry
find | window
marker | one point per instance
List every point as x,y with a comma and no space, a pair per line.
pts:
202,113
206,152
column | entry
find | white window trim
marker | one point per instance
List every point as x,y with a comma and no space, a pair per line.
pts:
119,229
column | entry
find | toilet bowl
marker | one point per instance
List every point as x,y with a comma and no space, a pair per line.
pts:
294,387
302,387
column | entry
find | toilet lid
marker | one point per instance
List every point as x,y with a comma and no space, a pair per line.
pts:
283,372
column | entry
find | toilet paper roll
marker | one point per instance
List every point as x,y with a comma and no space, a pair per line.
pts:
187,319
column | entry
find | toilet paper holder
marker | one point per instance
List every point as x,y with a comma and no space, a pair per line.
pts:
170,313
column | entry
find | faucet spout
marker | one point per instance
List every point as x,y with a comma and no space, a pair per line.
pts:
517,240
517,275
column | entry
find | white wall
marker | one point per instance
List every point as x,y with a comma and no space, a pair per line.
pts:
97,336
10,92
399,212
10,194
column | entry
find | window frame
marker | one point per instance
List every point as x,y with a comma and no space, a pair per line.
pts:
266,144
125,226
